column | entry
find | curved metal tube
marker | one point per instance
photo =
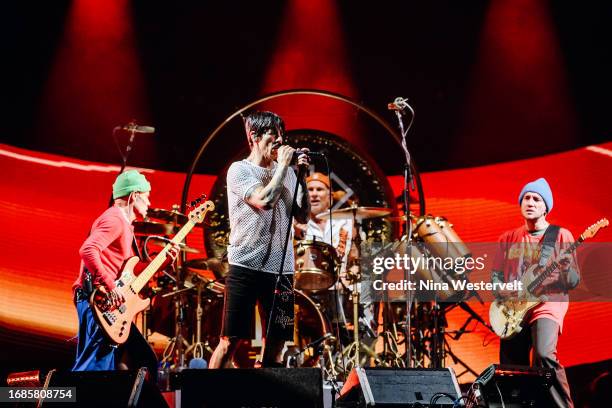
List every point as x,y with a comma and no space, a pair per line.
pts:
289,92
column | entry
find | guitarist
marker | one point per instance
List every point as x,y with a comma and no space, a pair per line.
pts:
538,242
103,253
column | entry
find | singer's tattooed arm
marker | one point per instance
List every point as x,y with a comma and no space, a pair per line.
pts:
265,197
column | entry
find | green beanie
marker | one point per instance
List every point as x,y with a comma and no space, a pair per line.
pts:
129,181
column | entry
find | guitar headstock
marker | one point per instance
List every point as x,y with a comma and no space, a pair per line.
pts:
198,209
594,229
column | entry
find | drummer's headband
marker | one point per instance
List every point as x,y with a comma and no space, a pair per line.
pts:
319,177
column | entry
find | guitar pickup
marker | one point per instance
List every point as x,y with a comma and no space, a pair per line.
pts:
109,317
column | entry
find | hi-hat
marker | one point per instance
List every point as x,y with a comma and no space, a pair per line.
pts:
154,228
217,267
358,213
182,247
172,216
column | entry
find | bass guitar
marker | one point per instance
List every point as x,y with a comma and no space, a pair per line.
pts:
116,321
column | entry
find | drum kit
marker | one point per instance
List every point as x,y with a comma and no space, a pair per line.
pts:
188,302
371,336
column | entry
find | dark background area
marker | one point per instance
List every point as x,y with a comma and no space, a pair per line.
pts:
201,61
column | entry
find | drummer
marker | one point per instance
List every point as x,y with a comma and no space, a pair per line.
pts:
338,233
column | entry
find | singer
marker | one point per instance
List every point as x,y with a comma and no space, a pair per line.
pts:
260,194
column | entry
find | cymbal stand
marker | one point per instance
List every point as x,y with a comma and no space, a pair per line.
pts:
352,351
175,350
393,357
197,348
354,278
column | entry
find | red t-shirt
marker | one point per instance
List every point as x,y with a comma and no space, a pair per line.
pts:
518,250
106,249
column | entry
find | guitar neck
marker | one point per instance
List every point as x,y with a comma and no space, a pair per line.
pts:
155,264
553,266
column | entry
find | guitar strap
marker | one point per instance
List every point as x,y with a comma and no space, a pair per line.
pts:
548,244
136,248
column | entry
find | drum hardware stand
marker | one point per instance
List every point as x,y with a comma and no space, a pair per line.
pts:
391,348
352,351
197,348
455,335
316,344
175,350
354,278
456,360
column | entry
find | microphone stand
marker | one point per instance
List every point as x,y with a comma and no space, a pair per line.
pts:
399,106
265,354
131,128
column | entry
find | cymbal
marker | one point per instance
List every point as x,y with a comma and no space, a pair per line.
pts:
153,228
359,213
172,216
217,267
183,247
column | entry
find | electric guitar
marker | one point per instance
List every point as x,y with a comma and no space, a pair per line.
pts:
506,316
116,321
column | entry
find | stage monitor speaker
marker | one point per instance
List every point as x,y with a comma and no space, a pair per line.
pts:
251,387
508,386
395,387
108,389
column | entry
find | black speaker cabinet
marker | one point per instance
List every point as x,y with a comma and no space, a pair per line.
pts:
508,386
392,387
251,387
108,389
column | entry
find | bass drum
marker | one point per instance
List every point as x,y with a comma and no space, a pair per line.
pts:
310,325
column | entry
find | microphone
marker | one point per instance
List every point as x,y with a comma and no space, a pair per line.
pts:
298,152
399,104
133,127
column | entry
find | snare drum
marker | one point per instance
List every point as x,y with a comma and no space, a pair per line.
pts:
315,265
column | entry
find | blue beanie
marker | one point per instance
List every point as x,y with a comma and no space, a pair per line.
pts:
541,187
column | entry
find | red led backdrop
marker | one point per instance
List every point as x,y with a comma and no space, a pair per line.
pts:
48,203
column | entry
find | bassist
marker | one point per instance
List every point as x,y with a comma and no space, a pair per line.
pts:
103,253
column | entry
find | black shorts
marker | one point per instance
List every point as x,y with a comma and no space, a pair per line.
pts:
244,288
